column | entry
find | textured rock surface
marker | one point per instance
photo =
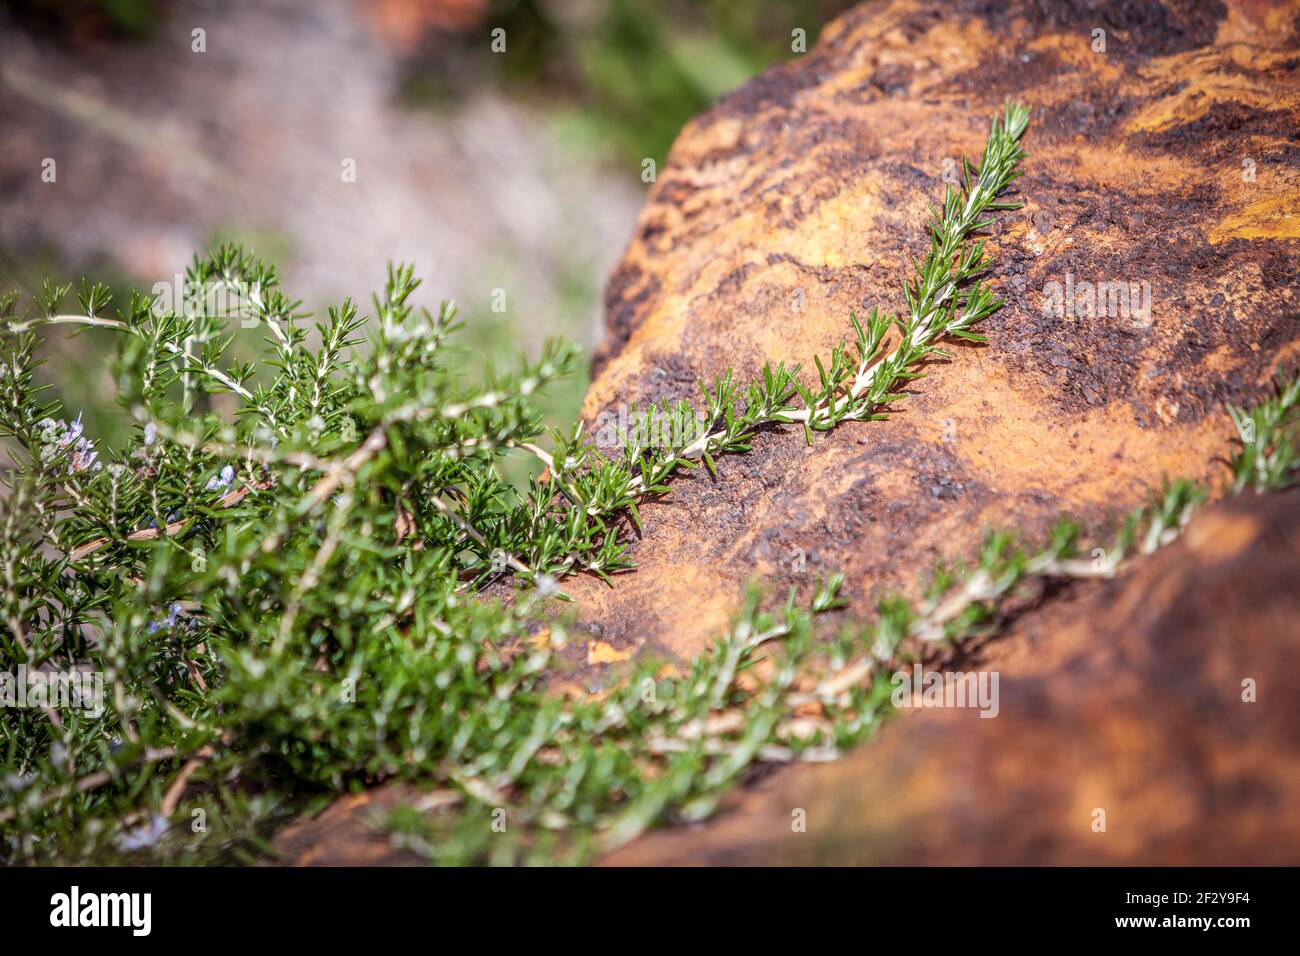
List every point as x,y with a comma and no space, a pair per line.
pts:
806,188
1124,697
797,199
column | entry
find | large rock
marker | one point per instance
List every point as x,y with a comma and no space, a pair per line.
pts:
1126,697
1170,162
801,197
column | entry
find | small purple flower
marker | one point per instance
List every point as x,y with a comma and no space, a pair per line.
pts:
73,431
173,614
170,517
19,781
145,835
222,480
84,457
60,435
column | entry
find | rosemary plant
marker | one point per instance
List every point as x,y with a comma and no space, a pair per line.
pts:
272,592
778,688
1267,459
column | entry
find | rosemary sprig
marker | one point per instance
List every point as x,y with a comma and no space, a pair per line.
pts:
327,639
945,299
813,699
1267,458
276,601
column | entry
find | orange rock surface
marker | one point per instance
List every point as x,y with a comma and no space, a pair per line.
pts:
1126,697
801,197
1169,163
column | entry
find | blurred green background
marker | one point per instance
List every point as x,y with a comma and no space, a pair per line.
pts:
176,125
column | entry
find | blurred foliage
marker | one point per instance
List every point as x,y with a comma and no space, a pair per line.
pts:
613,77
633,72
80,19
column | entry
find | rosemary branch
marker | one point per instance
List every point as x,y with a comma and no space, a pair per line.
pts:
945,299
278,602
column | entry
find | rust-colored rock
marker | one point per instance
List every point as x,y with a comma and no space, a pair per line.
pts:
1171,159
801,196
1125,697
